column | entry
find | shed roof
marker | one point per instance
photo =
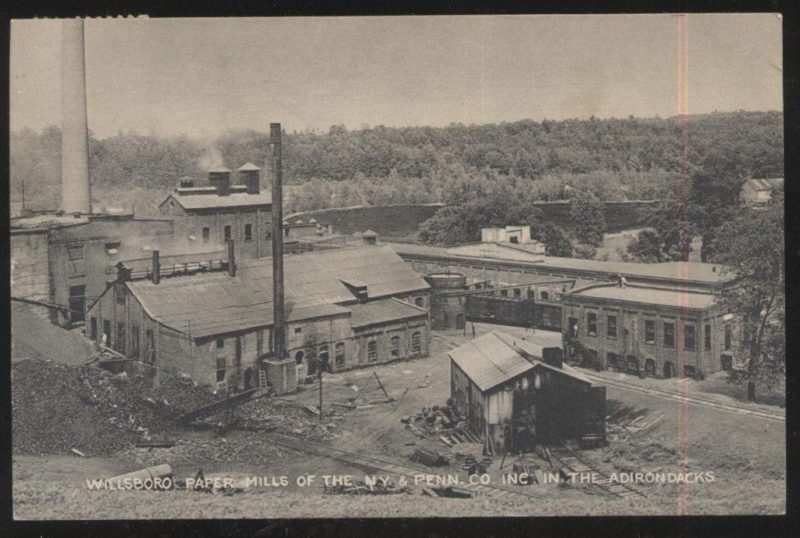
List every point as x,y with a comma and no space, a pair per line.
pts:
677,298
215,201
383,311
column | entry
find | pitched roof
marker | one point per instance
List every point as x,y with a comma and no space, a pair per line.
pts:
215,201
214,303
765,184
495,358
249,167
383,311
489,361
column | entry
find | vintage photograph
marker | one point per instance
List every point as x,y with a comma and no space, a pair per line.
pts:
397,266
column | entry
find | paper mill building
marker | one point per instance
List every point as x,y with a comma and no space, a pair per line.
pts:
350,307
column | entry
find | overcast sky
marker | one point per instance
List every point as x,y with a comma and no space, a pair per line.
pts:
200,76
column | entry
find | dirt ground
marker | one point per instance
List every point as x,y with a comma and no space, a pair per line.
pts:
746,456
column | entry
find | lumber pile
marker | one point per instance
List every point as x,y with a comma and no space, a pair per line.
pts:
428,457
442,423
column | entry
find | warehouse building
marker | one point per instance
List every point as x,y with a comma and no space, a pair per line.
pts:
647,330
516,394
346,308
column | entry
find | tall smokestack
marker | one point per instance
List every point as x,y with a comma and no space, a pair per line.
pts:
76,193
279,327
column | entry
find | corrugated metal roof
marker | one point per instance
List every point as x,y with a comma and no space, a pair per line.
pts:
495,358
214,303
489,361
383,311
214,201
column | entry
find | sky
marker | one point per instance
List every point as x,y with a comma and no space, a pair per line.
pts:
203,76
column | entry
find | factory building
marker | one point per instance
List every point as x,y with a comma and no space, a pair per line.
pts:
516,394
646,330
67,260
346,308
221,210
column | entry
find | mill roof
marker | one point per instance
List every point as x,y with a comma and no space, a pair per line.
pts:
383,311
215,303
677,298
212,200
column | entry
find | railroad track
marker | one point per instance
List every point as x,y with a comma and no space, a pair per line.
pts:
661,393
572,461
382,465
671,395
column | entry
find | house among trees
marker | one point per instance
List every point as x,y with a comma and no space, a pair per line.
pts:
758,192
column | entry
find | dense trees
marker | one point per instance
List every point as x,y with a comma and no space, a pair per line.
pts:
614,159
752,248
588,214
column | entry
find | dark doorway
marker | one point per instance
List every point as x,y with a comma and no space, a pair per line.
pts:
312,365
250,380
238,356
460,321
632,364
650,367
669,370
77,302
573,327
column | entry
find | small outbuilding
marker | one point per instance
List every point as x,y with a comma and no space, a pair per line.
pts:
516,394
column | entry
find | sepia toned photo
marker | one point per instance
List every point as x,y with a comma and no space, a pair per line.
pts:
407,266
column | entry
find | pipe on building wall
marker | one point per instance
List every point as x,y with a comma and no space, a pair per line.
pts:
156,274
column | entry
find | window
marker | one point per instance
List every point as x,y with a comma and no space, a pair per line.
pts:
106,332
395,346
503,293
544,295
220,369
689,337
112,247
531,294
611,328
227,232
419,301
298,330
591,324
75,253
728,337
322,356
268,234
206,234
649,331
220,343
669,334
707,337
299,356
135,341
119,295
248,232
120,338
416,343
517,293
150,346
339,356
372,351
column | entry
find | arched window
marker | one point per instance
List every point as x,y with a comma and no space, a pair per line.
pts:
299,356
419,301
323,357
395,346
372,351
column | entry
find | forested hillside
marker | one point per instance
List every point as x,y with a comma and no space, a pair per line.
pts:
613,159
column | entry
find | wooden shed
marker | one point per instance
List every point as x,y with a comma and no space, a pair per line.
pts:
515,394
